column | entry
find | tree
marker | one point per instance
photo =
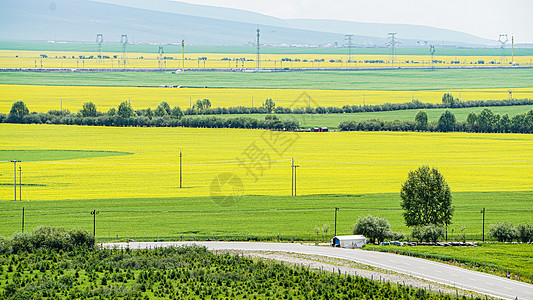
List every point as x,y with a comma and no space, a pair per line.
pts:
525,232
18,112
373,228
176,113
89,110
471,121
426,198
162,110
206,103
446,122
124,110
421,120
269,105
199,105
448,98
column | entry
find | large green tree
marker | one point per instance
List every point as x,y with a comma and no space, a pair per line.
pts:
89,110
446,122
125,111
18,112
421,120
426,198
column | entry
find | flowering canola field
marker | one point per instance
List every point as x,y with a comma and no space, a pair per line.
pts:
44,98
330,163
72,59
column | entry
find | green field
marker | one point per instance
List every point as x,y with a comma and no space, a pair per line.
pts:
52,155
333,120
502,256
395,80
252,217
140,48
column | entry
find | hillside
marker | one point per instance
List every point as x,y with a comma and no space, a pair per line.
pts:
163,21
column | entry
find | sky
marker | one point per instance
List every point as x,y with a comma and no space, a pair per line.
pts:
484,18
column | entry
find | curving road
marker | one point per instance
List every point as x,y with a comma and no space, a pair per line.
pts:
441,273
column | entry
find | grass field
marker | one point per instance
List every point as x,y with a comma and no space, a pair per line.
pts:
498,257
370,162
252,217
392,80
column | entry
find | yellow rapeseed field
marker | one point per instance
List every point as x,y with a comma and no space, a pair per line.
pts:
70,59
45,98
330,163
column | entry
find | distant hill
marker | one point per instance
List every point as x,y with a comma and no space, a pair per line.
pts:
164,21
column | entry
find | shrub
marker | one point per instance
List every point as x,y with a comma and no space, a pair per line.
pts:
429,233
503,232
525,232
373,228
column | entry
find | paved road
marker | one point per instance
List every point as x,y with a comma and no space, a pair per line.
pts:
441,273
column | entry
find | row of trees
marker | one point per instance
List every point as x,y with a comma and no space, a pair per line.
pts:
485,121
124,115
269,106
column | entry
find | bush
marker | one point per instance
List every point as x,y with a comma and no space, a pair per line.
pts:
430,233
373,228
503,232
525,232
46,237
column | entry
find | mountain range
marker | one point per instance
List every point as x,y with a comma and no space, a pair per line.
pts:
165,21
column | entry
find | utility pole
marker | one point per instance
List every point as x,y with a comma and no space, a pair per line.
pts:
181,155
20,183
336,209
94,213
293,173
349,38
15,176
22,219
483,212
512,49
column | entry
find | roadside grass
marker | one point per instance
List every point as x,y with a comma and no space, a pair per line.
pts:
492,258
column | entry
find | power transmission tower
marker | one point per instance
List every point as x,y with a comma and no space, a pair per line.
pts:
392,43
99,42
258,50
349,45
432,52
183,56
124,42
503,39
160,58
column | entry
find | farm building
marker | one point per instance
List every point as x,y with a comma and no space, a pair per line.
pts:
348,241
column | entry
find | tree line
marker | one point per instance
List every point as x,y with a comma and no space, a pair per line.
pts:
125,116
204,107
486,121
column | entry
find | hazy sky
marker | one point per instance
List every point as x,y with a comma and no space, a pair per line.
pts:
484,18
